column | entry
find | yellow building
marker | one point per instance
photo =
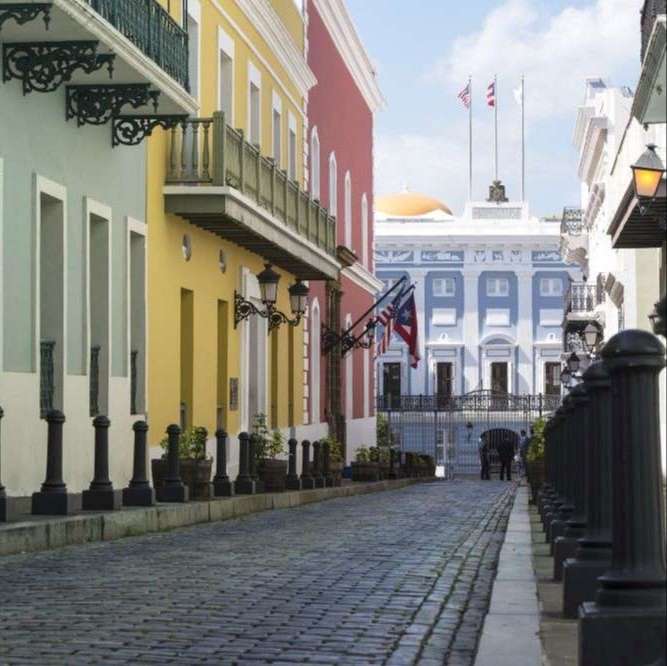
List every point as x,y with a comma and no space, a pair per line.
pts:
225,197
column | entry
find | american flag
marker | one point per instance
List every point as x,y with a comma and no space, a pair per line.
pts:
491,94
465,96
386,318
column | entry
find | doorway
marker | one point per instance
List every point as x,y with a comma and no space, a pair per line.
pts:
391,384
443,382
499,377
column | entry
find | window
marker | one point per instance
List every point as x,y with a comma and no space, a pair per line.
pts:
552,378
497,287
391,384
226,76
551,287
444,380
333,185
277,129
291,147
254,105
348,209
497,317
443,317
444,287
364,230
315,164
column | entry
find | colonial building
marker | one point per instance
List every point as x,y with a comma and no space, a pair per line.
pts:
80,85
339,397
489,292
228,196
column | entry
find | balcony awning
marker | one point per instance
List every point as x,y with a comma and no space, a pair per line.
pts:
632,229
233,216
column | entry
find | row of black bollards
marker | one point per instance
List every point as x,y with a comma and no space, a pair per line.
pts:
602,506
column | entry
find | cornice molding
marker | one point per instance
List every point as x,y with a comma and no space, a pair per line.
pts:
278,39
339,23
362,277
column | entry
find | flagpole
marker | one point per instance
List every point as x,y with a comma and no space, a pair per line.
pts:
495,114
523,139
470,141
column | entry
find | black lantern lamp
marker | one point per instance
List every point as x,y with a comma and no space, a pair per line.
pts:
565,377
592,337
647,174
573,363
268,287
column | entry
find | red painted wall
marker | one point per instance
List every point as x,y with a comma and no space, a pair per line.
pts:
345,126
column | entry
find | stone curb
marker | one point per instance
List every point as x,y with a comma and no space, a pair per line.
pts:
49,533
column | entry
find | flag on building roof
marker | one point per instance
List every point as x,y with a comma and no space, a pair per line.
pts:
405,325
491,94
465,96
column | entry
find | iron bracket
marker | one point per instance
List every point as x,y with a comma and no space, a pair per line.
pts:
97,104
24,12
132,130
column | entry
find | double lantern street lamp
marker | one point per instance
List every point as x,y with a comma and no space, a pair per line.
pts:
268,287
590,338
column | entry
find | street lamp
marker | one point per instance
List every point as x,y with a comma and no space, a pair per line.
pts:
647,174
298,298
592,337
565,377
573,363
268,286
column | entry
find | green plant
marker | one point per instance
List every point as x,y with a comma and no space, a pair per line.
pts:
384,435
536,447
363,455
335,449
191,444
268,443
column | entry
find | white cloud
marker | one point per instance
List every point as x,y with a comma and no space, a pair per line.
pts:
556,53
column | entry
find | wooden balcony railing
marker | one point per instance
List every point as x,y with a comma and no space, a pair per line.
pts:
150,27
207,151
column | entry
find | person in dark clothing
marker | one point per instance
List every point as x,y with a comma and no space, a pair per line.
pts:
505,450
484,458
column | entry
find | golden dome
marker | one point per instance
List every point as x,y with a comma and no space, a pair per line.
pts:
409,204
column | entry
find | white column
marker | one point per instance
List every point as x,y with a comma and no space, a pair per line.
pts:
525,332
418,376
470,330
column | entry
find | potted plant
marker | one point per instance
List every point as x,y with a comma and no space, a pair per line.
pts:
535,470
336,462
269,444
195,467
364,468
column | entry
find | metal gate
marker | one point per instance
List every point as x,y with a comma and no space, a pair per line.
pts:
451,429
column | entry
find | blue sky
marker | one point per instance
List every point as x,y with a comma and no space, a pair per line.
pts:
424,51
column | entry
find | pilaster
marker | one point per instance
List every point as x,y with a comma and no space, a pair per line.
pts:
470,330
525,332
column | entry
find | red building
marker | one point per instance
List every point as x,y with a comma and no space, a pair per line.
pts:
340,396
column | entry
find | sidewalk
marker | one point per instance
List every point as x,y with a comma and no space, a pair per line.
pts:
524,626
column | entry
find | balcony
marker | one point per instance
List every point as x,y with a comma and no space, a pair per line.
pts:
111,56
220,182
580,307
573,236
649,103
650,10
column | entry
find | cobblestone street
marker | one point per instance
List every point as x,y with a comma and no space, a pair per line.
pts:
397,577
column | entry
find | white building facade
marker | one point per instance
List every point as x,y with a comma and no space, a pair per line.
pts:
489,292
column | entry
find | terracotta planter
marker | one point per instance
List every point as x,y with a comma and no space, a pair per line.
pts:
273,473
365,471
195,474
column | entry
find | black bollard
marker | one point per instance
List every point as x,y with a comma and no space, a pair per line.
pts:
626,622
4,512
253,448
307,480
547,505
566,546
101,495
563,507
173,489
53,498
593,556
292,482
244,484
139,491
317,465
222,486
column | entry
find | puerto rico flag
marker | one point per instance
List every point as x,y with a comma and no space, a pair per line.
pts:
491,94
406,326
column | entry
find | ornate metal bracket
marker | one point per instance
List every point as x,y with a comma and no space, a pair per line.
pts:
45,66
346,339
24,12
97,104
132,130
243,309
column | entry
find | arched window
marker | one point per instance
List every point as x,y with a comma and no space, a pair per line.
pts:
364,230
315,164
315,362
348,210
333,185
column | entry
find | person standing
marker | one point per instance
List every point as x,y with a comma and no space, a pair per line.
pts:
505,450
484,458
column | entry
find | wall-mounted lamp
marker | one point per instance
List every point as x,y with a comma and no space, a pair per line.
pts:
268,288
573,363
647,174
592,337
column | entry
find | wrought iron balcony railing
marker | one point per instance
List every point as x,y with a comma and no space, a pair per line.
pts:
47,383
581,298
572,221
150,27
651,9
207,151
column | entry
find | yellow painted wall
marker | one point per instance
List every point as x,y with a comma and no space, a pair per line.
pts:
169,273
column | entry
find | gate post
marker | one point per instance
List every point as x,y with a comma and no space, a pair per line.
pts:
626,623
